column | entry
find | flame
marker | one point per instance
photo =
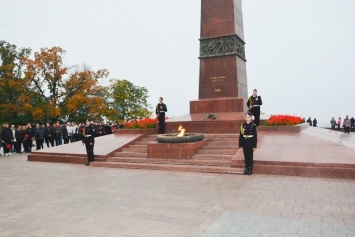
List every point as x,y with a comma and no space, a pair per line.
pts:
182,131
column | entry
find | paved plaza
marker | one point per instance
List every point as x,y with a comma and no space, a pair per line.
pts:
51,199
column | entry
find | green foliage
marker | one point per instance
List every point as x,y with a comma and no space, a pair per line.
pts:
128,100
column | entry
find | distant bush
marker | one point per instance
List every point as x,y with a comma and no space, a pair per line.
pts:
142,123
283,120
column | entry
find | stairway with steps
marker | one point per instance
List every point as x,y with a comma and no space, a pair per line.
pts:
214,157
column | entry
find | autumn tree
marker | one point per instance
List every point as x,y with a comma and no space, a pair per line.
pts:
72,96
44,77
128,100
15,99
85,97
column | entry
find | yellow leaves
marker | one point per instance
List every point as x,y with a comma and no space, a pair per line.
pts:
38,114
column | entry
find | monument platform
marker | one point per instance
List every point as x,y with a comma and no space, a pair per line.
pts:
312,152
75,153
306,151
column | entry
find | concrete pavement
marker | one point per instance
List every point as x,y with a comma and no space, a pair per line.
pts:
52,199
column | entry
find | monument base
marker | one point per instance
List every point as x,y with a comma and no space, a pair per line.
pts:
218,105
205,123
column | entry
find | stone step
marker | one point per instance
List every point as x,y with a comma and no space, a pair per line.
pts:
130,154
213,157
135,150
227,135
137,146
144,142
153,136
220,147
148,140
165,167
199,162
223,143
217,152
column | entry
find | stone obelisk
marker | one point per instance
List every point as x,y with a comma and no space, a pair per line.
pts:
223,81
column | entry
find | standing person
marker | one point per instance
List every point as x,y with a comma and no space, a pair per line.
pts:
309,120
352,122
65,134
49,135
314,122
57,134
7,139
39,137
89,140
160,111
29,137
75,129
333,123
70,132
339,123
346,124
248,140
13,145
19,133
254,103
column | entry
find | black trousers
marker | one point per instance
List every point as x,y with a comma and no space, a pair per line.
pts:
256,113
18,147
49,140
347,129
28,144
161,123
39,144
6,150
248,156
90,150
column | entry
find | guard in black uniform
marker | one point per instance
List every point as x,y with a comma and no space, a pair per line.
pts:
254,103
248,140
89,140
160,111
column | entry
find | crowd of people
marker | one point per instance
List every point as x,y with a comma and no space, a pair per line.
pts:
347,123
22,138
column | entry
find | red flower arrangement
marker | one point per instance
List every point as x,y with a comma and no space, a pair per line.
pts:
283,120
26,136
142,123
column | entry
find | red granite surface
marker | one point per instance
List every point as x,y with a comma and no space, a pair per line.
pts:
174,150
105,146
300,154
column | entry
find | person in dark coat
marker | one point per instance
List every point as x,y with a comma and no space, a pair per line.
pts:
65,134
314,122
248,140
89,132
309,120
254,103
49,135
19,133
160,111
39,137
7,139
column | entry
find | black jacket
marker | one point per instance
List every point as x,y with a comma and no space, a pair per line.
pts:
254,101
161,107
89,134
248,135
6,134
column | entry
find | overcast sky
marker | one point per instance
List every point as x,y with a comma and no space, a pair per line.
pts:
301,53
